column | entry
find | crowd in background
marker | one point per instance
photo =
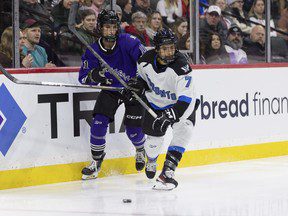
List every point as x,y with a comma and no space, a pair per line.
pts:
231,31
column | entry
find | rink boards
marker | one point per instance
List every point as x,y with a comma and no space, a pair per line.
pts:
44,131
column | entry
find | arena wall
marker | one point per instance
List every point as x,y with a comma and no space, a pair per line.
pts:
44,131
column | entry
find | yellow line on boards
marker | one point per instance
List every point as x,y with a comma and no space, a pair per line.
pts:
72,172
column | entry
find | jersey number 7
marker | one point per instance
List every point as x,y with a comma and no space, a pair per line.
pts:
188,78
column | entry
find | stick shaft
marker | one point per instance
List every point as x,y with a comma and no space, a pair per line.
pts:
44,83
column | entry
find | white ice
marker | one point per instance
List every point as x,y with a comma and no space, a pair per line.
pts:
246,188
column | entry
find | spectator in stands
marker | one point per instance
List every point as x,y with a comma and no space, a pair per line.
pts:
226,20
87,29
234,44
154,23
70,44
26,61
283,21
6,50
180,27
277,6
211,23
86,3
139,21
32,31
215,52
236,8
202,8
5,15
184,44
126,6
32,9
257,14
97,6
254,46
169,9
60,14
142,5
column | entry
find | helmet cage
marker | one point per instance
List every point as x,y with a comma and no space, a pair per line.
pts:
108,17
164,37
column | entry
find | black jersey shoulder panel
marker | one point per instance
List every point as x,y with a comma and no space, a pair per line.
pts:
148,56
180,65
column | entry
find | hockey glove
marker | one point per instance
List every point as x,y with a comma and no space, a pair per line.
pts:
136,83
97,75
166,118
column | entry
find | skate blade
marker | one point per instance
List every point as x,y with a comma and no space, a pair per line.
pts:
163,186
89,177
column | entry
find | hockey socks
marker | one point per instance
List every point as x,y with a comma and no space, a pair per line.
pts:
166,180
98,135
98,144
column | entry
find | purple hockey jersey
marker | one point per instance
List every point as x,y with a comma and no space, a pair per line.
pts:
123,59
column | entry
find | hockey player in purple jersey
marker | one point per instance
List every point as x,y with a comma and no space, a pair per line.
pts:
121,52
167,78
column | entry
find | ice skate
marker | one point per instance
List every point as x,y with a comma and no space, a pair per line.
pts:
150,169
166,181
91,171
140,159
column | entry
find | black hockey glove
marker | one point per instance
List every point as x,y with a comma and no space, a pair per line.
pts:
166,118
97,75
136,83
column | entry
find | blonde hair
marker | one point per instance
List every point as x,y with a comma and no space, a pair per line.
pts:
6,45
150,16
171,3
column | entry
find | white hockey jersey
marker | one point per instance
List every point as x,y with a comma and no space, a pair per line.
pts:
168,86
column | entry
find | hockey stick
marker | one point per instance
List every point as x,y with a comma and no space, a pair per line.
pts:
24,82
71,26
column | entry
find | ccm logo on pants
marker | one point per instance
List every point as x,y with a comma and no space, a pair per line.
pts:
133,117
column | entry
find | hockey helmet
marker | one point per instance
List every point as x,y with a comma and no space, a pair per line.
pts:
108,17
165,36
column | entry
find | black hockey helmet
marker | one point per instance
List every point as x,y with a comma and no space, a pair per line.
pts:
162,37
108,17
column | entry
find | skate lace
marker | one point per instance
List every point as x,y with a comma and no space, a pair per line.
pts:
92,166
169,173
151,166
140,157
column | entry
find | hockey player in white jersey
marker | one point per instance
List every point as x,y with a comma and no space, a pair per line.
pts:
165,77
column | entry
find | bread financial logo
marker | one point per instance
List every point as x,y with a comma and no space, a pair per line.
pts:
12,119
256,104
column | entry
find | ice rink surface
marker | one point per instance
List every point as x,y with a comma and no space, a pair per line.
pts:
246,188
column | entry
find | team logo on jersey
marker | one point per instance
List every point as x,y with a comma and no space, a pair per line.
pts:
11,119
133,37
85,64
186,68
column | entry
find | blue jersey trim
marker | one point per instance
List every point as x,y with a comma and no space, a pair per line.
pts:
185,99
160,108
176,148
